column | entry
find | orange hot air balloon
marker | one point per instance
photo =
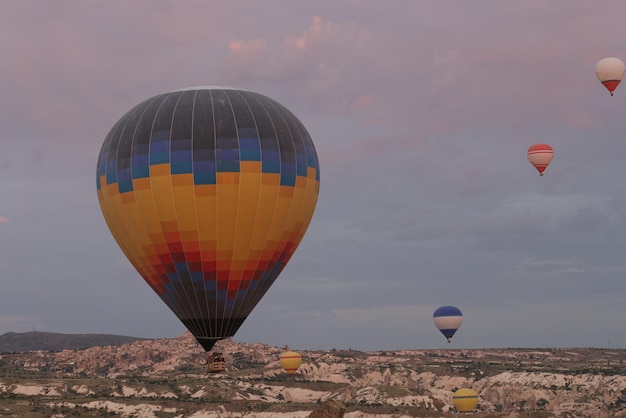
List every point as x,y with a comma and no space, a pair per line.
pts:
610,72
290,361
540,156
208,191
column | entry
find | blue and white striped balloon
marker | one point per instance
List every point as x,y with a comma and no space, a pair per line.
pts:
448,319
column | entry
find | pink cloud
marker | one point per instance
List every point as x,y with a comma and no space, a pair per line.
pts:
316,65
363,102
4,220
483,67
317,31
253,47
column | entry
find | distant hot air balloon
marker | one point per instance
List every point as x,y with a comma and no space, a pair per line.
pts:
448,319
610,72
540,156
208,191
465,400
290,361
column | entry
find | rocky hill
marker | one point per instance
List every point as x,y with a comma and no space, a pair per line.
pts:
13,342
166,378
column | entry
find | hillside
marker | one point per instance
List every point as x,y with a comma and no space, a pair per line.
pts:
13,342
166,378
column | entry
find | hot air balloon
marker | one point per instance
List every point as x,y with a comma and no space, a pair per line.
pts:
610,72
208,191
290,361
448,319
465,400
540,156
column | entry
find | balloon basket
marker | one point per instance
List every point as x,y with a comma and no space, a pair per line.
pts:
215,363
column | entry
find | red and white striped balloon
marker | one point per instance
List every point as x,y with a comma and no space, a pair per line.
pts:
540,156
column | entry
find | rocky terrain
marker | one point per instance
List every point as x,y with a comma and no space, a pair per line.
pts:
49,341
166,378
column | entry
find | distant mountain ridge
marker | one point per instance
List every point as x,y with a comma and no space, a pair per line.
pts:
14,342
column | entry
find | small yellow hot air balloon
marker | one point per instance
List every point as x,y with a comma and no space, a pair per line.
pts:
465,400
290,361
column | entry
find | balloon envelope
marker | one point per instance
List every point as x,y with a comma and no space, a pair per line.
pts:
465,400
448,319
540,156
208,191
610,72
290,361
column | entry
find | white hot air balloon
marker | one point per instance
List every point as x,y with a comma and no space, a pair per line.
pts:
610,72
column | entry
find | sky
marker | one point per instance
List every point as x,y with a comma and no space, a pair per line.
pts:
421,113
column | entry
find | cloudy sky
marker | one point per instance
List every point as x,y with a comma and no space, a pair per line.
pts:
421,113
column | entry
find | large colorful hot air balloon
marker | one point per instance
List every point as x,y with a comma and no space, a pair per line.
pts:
540,156
208,192
610,72
448,319
465,400
290,361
